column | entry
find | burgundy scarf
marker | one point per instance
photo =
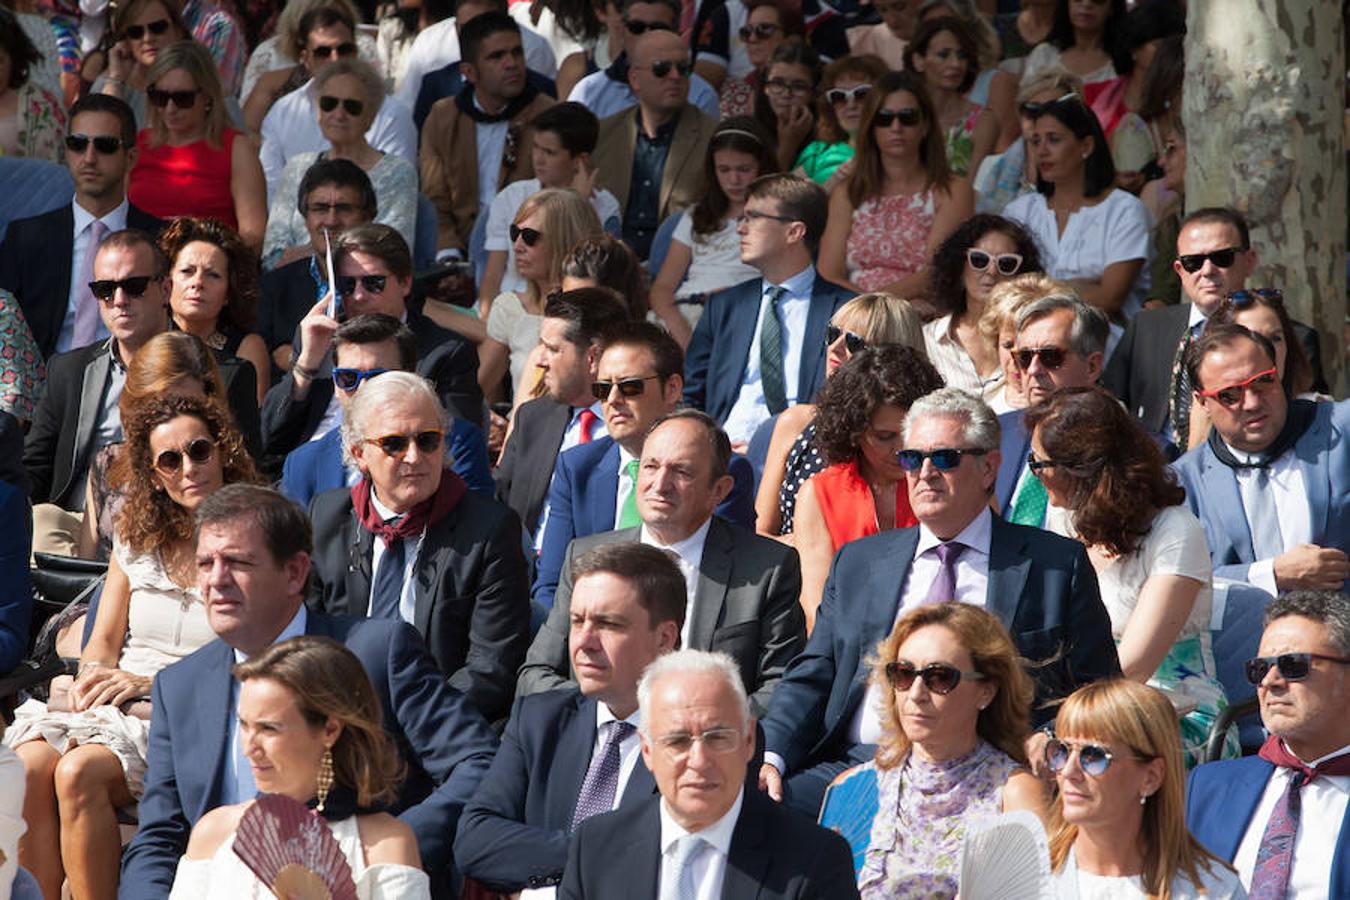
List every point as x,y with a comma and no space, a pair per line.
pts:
428,512
1274,751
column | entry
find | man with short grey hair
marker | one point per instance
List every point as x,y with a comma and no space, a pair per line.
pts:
1042,586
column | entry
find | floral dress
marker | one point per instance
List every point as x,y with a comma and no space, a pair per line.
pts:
41,125
22,372
889,239
961,142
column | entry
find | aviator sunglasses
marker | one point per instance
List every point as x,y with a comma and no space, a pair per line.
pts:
1051,357
374,284
939,678
852,342
661,68
199,451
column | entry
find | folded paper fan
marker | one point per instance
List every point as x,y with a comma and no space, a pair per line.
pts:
1006,857
292,851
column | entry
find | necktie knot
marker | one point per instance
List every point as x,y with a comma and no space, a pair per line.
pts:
776,293
586,422
948,551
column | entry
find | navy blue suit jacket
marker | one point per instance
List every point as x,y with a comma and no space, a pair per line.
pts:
1324,461
1014,445
1041,586
714,365
445,743
1220,800
16,587
581,502
514,831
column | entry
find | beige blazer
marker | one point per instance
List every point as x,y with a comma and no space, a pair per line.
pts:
682,181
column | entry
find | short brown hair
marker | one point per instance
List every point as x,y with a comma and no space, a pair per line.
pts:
652,573
241,294
379,241
667,357
283,524
799,199
719,445
1216,337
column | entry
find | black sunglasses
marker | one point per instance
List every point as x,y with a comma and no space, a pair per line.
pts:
759,32
180,99
1006,264
133,287
339,50
939,678
1194,262
852,342
348,380
199,451
157,27
944,458
104,144
840,96
1292,666
374,284
661,68
628,387
1051,357
354,107
397,444
1093,759
909,117
638,27
530,236
1242,299
1040,465
1033,110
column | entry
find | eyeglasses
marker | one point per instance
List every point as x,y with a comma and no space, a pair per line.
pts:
353,106
1292,666
1051,357
1033,110
939,678
373,284
638,27
715,740
180,99
134,286
909,117
104,144
1093,759
326,51
852,342
1037,466
1242,299
840,96
157,27
760,32
530,236
783,86
1006,264
662,67
751,215
348,380
944,458
323,209
1194,262
397,444
1231,395
199,451
628,387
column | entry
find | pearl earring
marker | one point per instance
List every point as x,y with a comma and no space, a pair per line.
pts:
1143,798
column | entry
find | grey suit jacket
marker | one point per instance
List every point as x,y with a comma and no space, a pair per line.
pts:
746,605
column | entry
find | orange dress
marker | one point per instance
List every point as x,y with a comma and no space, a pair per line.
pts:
847,504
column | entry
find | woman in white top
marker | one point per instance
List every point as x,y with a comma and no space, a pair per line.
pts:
309,725
1118,823
705,250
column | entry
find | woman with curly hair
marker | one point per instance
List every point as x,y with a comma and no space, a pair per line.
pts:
860,416
1108,485
85,750
215,292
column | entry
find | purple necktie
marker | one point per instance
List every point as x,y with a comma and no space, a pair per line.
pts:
943,589
602,778
87,319
1274,859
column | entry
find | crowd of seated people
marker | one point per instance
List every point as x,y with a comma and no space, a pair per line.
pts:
653,448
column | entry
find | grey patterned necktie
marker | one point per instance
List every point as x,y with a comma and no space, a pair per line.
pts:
771,354
602,778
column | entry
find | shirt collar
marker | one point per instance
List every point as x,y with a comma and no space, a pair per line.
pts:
294,628
942,330
1197,317
385,512
1250,458
603,716
798,285
718,833
663,132
975,536
690,549
624,457
115,219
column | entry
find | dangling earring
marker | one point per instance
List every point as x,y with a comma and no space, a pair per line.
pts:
325,778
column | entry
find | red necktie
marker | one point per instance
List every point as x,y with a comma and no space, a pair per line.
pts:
1274,860
588,420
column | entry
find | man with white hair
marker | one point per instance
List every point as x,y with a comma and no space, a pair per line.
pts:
409,541
706,836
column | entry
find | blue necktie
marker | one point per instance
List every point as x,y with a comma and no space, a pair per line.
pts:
388,589
771,354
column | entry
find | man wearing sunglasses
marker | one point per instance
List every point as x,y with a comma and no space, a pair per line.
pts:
47,260
1041,585
1280,818
1272,482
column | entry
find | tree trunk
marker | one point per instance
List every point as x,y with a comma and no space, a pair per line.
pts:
1264,113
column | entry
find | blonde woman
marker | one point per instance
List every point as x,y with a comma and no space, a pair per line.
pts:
997,324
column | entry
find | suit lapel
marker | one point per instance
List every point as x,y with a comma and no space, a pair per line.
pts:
1008,570
741,336
681,145
623,163
1013,447
361,546
1313,452
96,373
714,574
64,240
211,699
886,585
437,536
749,854
1222,494
813,349
602,490
641,785
572,756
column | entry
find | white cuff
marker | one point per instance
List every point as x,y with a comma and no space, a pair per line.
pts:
776,761
1262,574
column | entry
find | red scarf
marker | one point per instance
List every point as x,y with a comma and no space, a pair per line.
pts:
428,512
1274,751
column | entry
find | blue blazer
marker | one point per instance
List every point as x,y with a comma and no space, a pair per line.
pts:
1014,445
1324,461
445,743
581,502
316,466
513,833
714,364
1220,799
1041,586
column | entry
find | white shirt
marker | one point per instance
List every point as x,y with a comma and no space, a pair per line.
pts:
292,126
571,437
1285,481
626,485
490,143
606,97
407,601
714,259
437,46
502,212
710,863
688,556
84,220
750,408
1325,801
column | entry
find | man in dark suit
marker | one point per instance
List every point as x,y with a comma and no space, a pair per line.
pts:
743,590
1280,818
760,346
1042,586
46,260
253,562
570,754
570,337
410,542
709,835
594,485
1214,258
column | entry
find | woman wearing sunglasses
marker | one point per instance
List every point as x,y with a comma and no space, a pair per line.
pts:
786,101
900,201
85,751
844,89
766,27
143,28
347,94
982,253
954,705
1004,177
945,54
1107,484
191,162
1118,824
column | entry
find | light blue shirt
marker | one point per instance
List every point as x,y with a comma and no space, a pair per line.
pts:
114,221
490,141
604,96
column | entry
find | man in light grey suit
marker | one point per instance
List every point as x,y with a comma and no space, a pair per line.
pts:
743,589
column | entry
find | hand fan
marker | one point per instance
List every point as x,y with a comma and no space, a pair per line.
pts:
292,851
1006,857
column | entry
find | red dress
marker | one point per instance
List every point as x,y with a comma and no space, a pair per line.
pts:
847,505
192,180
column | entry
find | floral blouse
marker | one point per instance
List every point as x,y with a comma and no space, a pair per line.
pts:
42,124
22,373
